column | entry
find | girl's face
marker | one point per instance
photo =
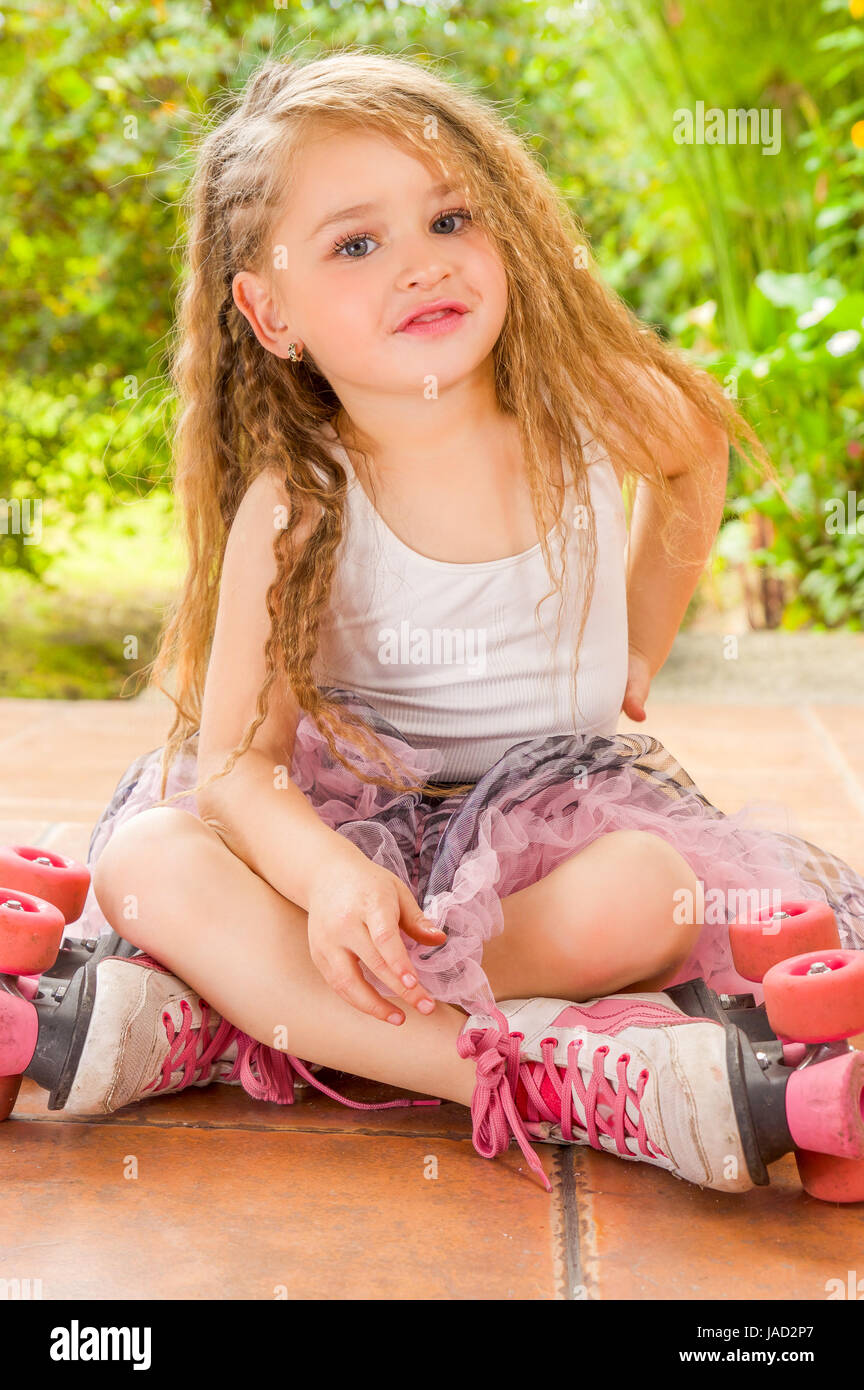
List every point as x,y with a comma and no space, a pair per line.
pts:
345,280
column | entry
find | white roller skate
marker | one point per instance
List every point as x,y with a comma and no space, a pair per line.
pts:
631,1074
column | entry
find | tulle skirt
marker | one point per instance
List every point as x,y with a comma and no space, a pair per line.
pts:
544,800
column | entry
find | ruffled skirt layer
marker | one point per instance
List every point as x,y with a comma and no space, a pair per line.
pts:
543,801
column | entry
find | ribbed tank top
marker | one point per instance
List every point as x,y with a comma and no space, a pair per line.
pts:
452,653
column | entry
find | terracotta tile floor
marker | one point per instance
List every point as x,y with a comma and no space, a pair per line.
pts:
238,1199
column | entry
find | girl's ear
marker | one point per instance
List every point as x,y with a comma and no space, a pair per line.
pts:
255,303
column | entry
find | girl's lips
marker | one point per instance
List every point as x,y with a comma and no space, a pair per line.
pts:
433,327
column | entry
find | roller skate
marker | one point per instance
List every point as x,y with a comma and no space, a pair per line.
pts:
41,893
101,1025
712,1088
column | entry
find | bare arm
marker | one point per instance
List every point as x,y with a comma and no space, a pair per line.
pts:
355,908
266,820
262,815
659,590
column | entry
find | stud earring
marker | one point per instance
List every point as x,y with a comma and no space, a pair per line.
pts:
293,355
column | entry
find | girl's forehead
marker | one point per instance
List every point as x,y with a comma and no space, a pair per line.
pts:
330,146
338,171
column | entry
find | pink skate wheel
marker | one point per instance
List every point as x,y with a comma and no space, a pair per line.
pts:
61,881
30,933
825,1106
817,997
829,1178
768,938
19,1028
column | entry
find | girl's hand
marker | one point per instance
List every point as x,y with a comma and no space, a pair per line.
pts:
356,910
638,685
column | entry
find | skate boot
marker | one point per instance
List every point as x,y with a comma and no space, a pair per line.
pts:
123,1030
684,1080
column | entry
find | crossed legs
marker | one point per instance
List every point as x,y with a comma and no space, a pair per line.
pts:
602,921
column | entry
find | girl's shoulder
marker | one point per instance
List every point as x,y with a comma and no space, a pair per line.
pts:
266,506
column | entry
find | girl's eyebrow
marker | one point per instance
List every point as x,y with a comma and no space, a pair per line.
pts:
437,192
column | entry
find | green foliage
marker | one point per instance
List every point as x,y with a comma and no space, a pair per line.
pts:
752,261
809,384
88,623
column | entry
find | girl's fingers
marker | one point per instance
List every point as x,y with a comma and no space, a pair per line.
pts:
413,922
387,958
345,979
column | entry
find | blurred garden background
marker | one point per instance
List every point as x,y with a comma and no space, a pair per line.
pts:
752,261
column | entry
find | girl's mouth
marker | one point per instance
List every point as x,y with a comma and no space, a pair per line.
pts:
444,321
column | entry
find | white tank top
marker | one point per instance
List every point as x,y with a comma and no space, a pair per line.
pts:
452,654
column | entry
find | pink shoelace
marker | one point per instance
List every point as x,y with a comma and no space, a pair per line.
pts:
275,1078
494,1111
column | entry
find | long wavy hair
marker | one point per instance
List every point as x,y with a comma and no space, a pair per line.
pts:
569,350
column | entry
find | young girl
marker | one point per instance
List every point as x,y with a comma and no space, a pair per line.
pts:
410,406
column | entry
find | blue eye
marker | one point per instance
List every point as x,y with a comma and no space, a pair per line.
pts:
352,237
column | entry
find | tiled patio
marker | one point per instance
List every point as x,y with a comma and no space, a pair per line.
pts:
236,1199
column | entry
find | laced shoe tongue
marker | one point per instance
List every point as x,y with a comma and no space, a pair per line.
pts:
547,1091
227,1059
552,1097
195,1052
528,1109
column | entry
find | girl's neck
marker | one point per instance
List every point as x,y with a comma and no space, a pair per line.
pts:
495,449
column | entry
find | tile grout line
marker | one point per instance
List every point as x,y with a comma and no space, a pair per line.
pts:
567,1228
834,755
108,1123
578,1235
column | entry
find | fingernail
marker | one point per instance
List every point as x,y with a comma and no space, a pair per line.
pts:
408,980
394,1018
425,1006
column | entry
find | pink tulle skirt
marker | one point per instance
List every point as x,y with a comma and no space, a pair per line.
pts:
543,801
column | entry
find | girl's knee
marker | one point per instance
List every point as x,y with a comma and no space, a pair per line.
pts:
670,895
141,848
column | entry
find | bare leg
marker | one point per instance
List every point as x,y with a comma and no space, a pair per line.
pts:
203,913
169,884
602,922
